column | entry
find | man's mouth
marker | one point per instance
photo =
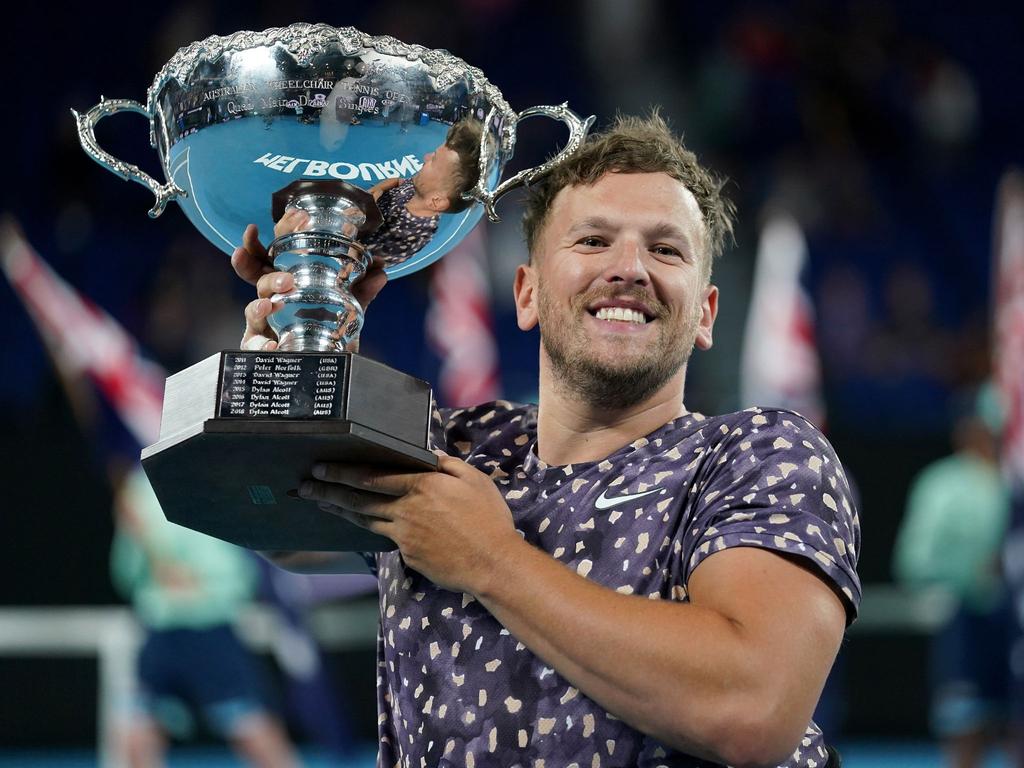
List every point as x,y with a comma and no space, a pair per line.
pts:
623,309
620,314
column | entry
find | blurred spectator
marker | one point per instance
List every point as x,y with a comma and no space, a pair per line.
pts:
844,318
187,589
909,346
957,515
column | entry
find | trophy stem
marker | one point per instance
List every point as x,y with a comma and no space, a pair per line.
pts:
320,314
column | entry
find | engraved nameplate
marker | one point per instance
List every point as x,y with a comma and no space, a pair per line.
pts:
281,385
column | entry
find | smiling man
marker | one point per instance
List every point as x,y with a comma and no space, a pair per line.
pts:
606,578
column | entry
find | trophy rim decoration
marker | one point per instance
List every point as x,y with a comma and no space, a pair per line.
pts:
303,41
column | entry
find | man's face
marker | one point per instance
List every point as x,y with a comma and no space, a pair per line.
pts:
435,180
618,286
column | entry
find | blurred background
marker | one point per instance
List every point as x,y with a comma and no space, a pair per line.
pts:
877,131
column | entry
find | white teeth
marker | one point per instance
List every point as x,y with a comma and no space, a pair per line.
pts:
622,314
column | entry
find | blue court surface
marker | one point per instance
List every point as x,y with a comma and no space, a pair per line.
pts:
855,755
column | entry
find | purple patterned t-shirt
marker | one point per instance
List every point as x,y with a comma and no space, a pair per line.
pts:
402,234
454,688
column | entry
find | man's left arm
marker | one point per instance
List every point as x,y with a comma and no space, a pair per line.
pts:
732,676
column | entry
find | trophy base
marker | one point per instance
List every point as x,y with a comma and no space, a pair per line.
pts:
241,430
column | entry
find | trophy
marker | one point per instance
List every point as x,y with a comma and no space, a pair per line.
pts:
318,118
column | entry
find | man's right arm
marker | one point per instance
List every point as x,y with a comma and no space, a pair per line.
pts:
252,263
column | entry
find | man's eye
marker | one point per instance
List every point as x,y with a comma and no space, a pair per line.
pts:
592,242
667,250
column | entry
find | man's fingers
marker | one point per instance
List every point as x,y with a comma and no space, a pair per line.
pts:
274,283
366,478
251,241
362,521
345,497
250,261
259,344
256,313
293,220
373,524
378,189
449,465
258,334
247,266
373,281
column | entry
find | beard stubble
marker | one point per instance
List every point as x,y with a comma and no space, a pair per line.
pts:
606,385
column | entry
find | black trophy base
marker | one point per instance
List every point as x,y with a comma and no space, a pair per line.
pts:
241,430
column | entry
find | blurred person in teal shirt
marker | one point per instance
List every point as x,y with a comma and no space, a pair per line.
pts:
187,589
951,537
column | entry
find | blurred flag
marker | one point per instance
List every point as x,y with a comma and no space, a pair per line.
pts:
459,327
1008,362
779,365
1008,370
83,339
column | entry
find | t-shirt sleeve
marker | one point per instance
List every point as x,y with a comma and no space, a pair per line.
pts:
772,480
460,432
440,424
370,558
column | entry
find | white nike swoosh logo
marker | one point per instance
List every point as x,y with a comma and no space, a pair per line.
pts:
603,502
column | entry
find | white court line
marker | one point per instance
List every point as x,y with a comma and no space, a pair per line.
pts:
195,199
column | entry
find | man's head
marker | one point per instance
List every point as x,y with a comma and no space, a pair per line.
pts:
636,145
452,168
621,240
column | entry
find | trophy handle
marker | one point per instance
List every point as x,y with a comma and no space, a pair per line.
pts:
577,133
165,193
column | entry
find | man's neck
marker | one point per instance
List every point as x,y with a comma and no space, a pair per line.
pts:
570,430
419,206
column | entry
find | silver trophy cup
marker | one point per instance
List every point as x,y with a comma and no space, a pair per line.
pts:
348,127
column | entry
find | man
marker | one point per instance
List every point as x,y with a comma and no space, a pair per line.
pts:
187,590
411,207
604,579
958,512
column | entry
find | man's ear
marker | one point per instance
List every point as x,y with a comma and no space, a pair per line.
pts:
525,291
708,313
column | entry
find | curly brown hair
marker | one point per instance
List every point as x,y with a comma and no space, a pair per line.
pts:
464,139
634,144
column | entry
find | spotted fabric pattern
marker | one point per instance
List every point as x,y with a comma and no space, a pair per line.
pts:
456,689
402,234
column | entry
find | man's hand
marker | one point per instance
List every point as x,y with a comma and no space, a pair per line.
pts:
252,263
449,524
383,186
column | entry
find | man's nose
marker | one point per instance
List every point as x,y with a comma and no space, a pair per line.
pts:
626,263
